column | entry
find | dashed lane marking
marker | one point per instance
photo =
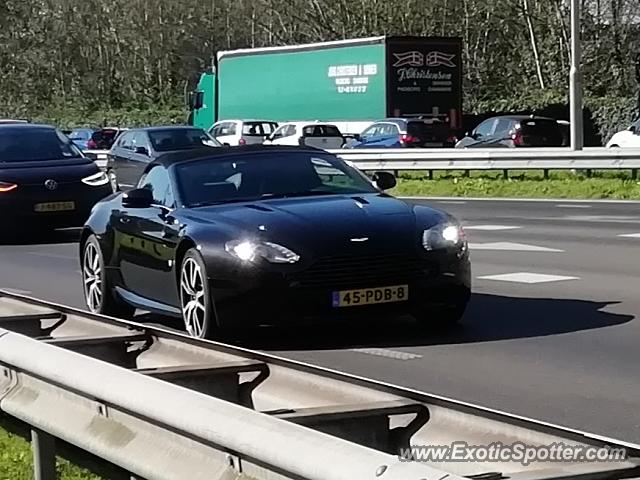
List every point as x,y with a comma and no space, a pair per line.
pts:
453,202
512,247
630,235
490,228
572,205
384,352
527,277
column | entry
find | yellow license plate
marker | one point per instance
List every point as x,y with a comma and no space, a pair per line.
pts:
54,207
370,296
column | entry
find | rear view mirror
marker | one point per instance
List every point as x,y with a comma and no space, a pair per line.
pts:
137,198
384,180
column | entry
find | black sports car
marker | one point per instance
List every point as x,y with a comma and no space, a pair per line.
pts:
268,235
45,181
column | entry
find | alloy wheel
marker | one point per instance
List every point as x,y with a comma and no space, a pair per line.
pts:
192,294
92,277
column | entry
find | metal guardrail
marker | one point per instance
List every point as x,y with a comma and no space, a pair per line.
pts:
492,159
477,159
129,400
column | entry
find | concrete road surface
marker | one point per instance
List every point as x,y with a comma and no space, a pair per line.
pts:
551,332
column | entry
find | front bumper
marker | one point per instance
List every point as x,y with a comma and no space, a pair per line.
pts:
274,299
18,211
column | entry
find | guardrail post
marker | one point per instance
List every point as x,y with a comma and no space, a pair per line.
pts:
545,173
43,447
505,174
430,174
634,174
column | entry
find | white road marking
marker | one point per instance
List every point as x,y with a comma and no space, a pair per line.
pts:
17,291
572,205
384,352
453,202
601,218
527,277
490,228
512,247
630,235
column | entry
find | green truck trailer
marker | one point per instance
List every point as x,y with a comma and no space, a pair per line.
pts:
350,83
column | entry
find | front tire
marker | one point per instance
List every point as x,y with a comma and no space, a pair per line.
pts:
98,295
195,299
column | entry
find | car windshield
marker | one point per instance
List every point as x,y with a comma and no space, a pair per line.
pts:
169,139
267,175
35,144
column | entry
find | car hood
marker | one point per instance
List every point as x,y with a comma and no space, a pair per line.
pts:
64,170
333,223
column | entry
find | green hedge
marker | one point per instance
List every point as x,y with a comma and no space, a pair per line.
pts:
125,117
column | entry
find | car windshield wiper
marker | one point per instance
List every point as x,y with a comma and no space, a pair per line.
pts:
222,202
266,196
302,193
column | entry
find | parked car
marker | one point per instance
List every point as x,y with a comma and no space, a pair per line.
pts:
514,131
104,138
242,132
45,180
81,136
136,148
243,236
310,134
404,132
629,138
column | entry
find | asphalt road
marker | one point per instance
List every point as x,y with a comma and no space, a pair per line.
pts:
551,332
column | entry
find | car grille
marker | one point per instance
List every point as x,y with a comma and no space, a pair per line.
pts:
363,271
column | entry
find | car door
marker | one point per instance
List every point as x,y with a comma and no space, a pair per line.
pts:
483,133
147,242
367,136
119,158
226,133
285,135
633,140
502,130
388,136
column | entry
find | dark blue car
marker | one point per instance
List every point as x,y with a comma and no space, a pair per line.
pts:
406,132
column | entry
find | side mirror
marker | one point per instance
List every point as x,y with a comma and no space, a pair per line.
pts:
632,129
357,137
384,180
137,198
196,100
141,151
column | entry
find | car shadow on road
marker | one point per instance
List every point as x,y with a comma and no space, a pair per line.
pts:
36,237
488,318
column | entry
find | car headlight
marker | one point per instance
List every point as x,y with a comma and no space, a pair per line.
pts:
444,235
248,251
97,179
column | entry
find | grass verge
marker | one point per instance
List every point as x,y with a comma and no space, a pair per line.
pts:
16,461
529,184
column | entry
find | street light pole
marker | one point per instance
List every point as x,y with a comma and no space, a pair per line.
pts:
575,80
